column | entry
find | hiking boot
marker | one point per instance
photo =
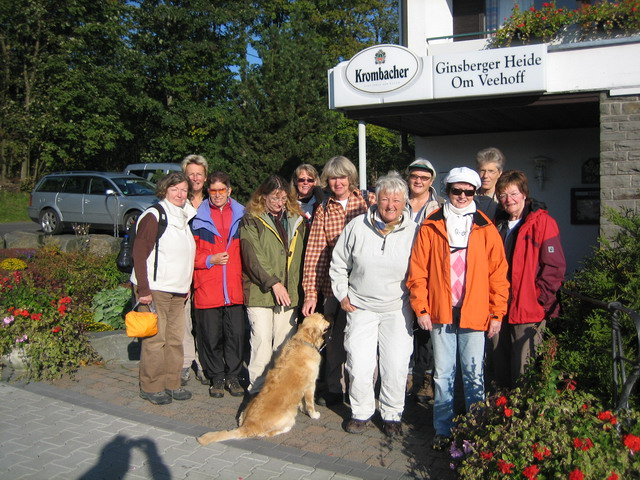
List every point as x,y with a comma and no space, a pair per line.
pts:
440,442
356,426
157,398
179,394
328,399
234,387
216,390
409,388
392,428
184,376
425,393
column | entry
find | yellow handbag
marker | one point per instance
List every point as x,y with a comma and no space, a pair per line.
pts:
141,324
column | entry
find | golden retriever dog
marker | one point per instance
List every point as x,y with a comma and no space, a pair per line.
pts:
289,383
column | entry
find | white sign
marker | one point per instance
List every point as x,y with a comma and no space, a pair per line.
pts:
490,72
382,68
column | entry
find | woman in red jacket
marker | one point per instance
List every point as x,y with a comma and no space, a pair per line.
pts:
536,270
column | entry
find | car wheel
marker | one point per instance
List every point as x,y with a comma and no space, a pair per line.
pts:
130,220
50,222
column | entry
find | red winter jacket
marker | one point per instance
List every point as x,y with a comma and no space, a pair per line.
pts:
537,266
217,285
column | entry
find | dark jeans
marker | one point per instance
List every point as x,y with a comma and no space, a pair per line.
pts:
220,339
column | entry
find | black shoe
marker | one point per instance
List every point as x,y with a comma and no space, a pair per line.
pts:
392,428
440,442
356,426
328,399
157,398
179,394
216,390
234,387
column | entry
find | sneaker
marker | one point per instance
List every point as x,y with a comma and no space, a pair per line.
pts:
157,398
392,428
202,378
179,394
328,399
440,442
216,390
184,376
425,393
234,387
356,426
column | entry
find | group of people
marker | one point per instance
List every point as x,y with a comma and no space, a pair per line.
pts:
474,274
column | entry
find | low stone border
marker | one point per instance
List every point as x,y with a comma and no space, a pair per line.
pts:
99,244
115,346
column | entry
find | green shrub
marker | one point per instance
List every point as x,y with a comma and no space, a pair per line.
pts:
110,307
547,428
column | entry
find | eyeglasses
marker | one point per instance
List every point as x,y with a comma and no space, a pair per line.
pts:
276,199
218,191
306,180
460,191
422,178
503,196
488,171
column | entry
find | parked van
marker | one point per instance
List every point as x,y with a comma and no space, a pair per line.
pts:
152,171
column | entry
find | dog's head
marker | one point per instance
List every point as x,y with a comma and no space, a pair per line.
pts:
313,328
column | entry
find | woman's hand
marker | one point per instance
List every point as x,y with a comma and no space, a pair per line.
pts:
281,294
308,307
424,322
345,303
219,258
146,300
494,328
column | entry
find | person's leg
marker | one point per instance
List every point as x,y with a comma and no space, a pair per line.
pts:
189,343
209,338
261,341
471,348
233,340
395,340
444,341
498,360
361,345
174,336
285,323
525,338
151,373
336,354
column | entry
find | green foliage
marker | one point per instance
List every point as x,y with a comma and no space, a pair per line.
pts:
110,307
547,428
610,274
13,206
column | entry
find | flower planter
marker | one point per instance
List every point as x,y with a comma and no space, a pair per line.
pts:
115,346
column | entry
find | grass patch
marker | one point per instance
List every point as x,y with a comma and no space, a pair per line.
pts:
13,206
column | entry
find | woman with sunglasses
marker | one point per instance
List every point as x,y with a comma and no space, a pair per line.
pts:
304,186
272,237
217,282
459,290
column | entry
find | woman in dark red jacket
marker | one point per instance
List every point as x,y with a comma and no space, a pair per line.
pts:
536,271
217,283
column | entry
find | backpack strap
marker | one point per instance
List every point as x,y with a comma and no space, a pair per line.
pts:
162,226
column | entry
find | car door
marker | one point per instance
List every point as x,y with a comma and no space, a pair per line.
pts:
70,200
100,208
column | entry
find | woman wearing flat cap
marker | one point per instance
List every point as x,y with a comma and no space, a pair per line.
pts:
459,291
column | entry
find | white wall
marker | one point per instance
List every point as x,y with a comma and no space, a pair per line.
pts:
568,149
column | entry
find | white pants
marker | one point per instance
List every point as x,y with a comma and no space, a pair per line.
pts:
269,330
390,336
188,344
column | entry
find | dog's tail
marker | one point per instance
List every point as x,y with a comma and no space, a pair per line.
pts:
211,437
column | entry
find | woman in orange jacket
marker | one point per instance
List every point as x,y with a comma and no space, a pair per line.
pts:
459,290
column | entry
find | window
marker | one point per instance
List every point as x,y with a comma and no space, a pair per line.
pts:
76,185
99,186
51,184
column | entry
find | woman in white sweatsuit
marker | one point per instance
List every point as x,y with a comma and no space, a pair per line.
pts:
368,275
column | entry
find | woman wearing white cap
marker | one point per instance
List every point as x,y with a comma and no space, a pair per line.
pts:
459,290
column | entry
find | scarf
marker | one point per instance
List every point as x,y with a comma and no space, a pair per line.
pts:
458,222
384,228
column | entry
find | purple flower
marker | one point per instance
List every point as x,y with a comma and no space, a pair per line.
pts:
8,320
21,339
467,447
455,452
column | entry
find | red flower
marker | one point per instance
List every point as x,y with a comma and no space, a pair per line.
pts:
505,467
582,444
11,309
501,401
64,300
613,476
585,407
531,472
507,412
571,385
486,455
604,416
576,475
24,313
36,316
540,453
62,309
632,442
56,329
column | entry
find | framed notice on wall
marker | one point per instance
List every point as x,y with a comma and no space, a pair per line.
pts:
585,206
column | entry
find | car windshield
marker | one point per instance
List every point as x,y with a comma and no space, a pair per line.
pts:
135,186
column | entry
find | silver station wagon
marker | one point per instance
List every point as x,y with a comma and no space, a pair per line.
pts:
103,200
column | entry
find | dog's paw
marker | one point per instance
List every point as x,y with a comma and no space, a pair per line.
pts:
315,415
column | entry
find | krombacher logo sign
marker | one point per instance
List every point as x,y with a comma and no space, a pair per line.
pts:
382,68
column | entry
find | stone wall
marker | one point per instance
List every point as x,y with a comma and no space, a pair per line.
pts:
619,155
97,244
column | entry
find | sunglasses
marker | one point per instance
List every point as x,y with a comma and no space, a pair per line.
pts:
218,191
460,191
306,180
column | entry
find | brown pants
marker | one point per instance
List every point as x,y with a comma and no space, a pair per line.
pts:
162,355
